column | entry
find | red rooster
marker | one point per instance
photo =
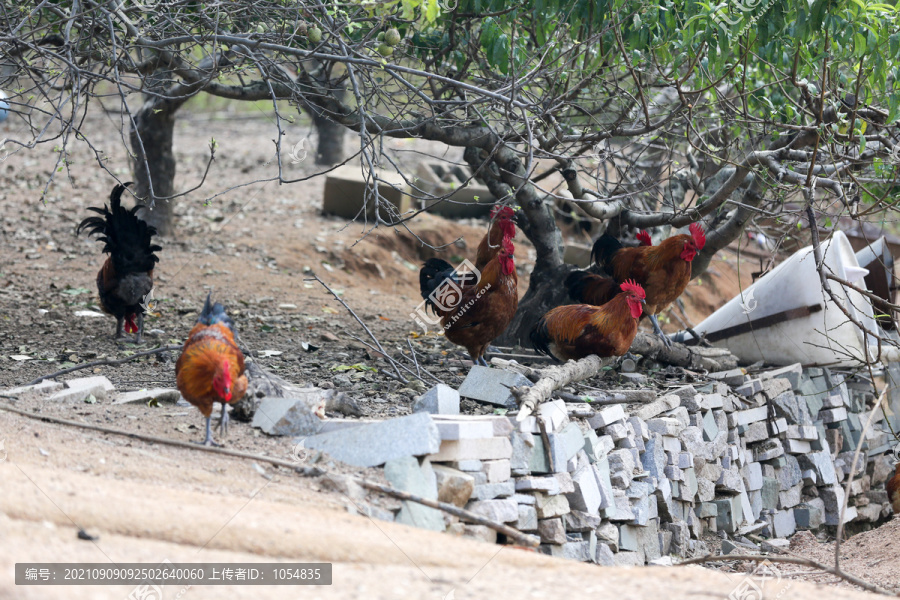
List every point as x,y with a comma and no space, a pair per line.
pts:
663,271
211,367
126,278
502,226
578,330
472,315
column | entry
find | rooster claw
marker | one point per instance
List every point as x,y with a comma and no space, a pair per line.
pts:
209,440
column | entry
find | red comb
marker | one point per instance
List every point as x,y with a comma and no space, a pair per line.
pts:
644,238
502,211
698,235
632,286
508,246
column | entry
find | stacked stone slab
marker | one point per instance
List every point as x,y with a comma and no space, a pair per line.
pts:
767,453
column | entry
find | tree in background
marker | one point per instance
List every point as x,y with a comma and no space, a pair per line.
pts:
656,114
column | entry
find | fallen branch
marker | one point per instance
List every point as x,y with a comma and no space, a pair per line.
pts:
871,587
514,534
105,362
552,379
694,357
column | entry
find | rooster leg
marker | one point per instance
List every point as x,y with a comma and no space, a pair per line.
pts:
659,332
209,441
223,422
140,328
120,328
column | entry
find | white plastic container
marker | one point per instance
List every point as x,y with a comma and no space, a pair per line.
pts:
786,317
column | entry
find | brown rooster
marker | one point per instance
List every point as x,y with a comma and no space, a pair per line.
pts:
578,330
663,271
472,315
211,367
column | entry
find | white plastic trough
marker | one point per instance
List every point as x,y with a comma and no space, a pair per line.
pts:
786,317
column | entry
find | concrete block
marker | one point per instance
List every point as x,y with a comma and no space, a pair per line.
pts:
581,522
733,377
552,531
822,464
77,390
489,491
729,515
502,511
710,428
550,506
161,395
607,416
407,475
791,373
745,417
492,386
768,450
527,520
604,482
586,496
833,415
494,448
665,426
810,515
350,195
790,498
453,486
441,399
797,446
376,443
32,392
783,523
657,407
753,477
497,471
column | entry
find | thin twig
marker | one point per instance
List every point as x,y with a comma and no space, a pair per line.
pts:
794,560
360,321
514,534
105,361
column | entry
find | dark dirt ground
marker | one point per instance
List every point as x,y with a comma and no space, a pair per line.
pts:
254,248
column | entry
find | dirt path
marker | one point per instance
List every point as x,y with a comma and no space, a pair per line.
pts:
148,503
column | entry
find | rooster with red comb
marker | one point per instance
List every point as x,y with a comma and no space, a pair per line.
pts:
663,271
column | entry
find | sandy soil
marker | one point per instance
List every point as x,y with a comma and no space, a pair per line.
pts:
254,248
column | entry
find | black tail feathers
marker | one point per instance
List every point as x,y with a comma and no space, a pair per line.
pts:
127,239
540,338
604,249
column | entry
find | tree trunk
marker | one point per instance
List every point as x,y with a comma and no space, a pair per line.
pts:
330,150
154,157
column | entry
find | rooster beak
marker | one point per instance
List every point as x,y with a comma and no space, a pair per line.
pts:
644,302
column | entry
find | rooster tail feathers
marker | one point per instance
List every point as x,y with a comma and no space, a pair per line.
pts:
540,337
432,275
214,313
604,249
126,238
589,288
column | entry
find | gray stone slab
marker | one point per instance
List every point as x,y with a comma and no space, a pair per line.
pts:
439,400
407,475
376,443
492,386
291,416
501,511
